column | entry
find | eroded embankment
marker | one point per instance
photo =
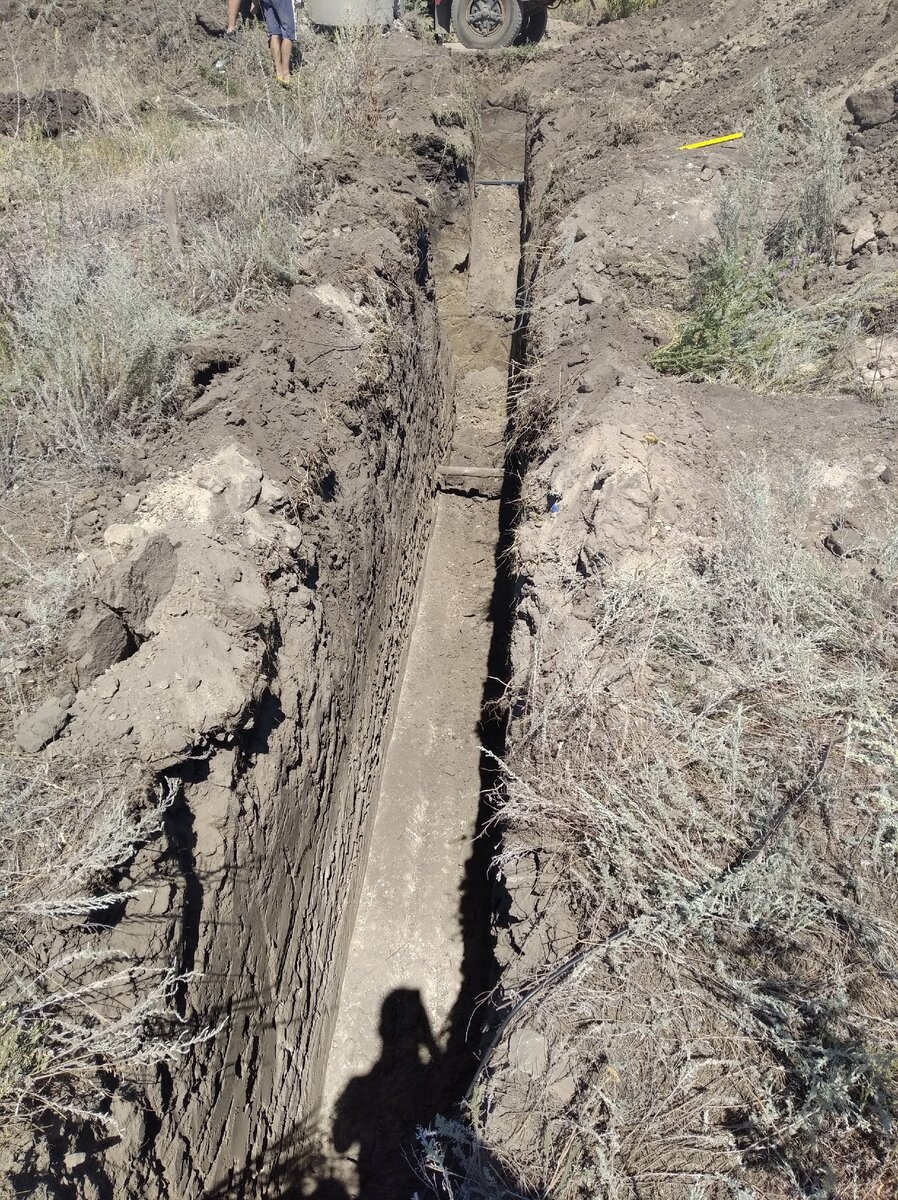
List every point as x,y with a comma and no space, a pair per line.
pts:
676,913
408,1028
267,579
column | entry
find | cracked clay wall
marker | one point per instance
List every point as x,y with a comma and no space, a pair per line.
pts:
280,824
268,579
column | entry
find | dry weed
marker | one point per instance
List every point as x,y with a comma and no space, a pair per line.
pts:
710,777
629,119
745,325
198,218
68,1016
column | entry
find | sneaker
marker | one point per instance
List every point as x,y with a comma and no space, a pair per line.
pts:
230,35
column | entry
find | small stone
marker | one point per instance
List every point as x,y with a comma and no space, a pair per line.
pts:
873,107
124,537
887,475
844,248
136,584
130,502
75,1160
107,686
865,234
133,466
98,641
563,1089
42,725
589,292
203,404
598,379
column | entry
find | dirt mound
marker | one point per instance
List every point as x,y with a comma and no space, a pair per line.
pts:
50,112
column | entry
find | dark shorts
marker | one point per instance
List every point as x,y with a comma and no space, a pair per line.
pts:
279,18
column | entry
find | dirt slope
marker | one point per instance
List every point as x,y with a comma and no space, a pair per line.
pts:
586,1092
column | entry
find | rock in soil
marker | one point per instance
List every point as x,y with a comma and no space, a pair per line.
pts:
872,108
845,542
42,726
99,640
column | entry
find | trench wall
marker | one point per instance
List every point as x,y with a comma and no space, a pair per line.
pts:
284,853
256,883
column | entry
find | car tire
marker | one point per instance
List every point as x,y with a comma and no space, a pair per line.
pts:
487,24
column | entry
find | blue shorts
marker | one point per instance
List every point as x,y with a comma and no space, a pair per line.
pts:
279,19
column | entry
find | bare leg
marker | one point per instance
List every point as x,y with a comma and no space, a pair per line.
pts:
274,43
286,51
233,13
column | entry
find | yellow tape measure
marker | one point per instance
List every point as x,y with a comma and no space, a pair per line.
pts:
730,137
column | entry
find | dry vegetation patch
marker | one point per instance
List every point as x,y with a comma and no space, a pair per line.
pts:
766,308
175,207
710,776
163,219
71,1011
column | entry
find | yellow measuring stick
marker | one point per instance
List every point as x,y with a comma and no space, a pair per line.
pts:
730,137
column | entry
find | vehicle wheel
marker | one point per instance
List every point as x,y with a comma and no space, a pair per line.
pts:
487,24
533,29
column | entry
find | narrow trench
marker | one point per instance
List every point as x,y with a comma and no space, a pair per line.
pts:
411,1013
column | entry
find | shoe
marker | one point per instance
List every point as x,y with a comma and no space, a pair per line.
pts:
230,35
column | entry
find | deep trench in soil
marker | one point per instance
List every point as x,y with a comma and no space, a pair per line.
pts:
412,1009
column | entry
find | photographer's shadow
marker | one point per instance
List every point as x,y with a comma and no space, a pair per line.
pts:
376,1116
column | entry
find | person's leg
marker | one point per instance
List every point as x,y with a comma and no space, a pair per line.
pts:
274,43
287,22
286,51
233,13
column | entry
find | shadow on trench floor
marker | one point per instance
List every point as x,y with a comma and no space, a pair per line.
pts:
293,1170
375,1118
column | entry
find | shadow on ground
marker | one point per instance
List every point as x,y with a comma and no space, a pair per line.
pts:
407,1087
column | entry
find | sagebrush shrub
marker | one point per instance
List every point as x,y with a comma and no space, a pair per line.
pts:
96,353
743,325
708,775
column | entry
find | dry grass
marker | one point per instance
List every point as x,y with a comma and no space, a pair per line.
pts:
69,1015
761,311
95,352
164,218
710,777
592,12
629,119
614,10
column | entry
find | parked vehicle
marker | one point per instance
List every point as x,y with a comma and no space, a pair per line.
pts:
478,24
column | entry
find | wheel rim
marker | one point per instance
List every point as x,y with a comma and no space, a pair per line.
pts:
486,16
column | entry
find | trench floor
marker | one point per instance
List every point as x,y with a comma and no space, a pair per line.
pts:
407,1028
405,979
